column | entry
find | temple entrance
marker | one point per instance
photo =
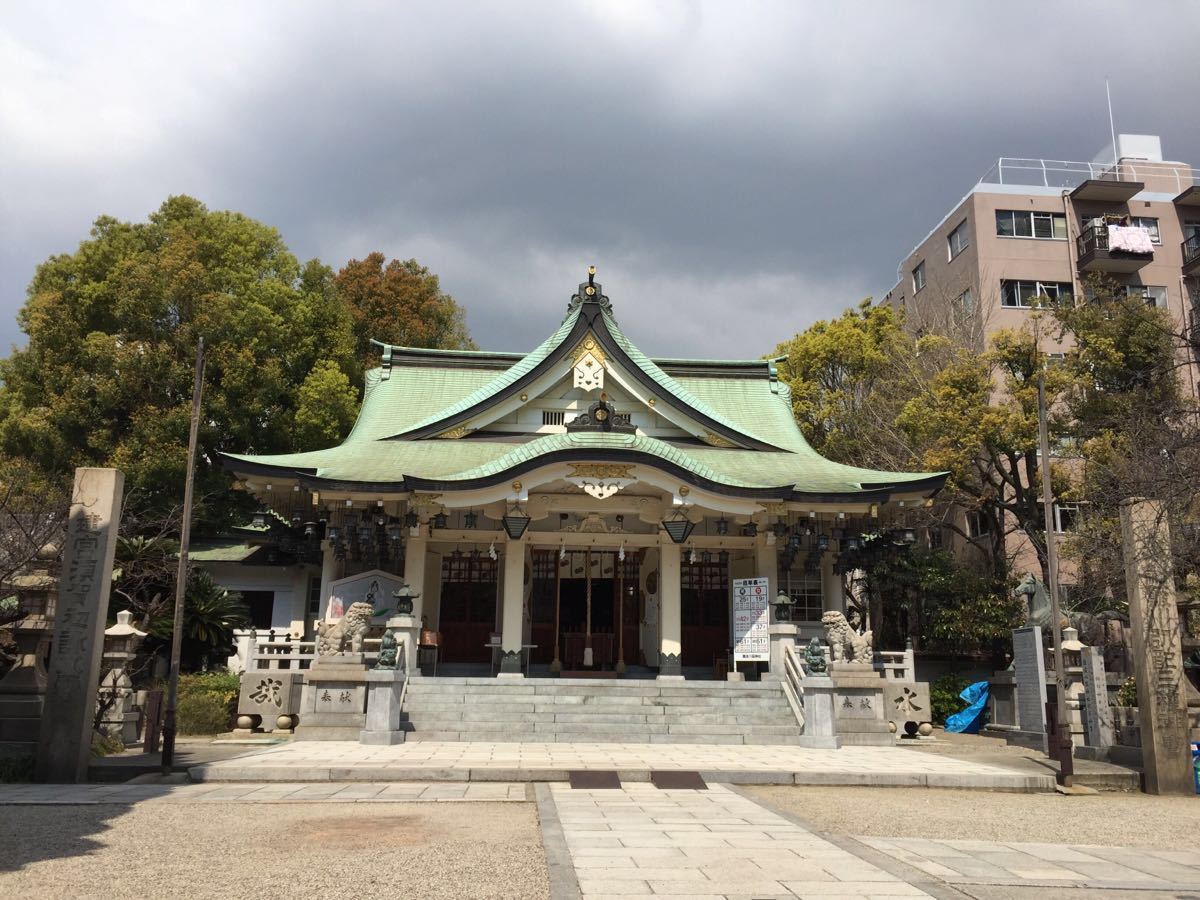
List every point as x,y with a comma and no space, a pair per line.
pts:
468,610
704,600
575,624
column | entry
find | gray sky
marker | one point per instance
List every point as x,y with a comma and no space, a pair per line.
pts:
735,170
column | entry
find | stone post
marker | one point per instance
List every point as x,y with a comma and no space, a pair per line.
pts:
670,631
1157,656
783,636
512,619
65,741
384,690
328,577
1098,717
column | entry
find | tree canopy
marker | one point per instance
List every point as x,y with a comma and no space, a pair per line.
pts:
399,303
106,376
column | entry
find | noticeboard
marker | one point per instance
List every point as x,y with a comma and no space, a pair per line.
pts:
751,638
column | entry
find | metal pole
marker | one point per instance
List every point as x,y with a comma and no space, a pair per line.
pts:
620,613
557,664
168,749
1061,733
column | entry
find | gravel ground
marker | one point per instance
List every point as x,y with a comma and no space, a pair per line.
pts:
1107,819
204,850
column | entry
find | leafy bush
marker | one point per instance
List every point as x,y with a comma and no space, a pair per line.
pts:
943,696
207,702
104,744
16,769
1127,692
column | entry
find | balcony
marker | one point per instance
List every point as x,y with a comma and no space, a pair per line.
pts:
1095,255
1107,190
1191,255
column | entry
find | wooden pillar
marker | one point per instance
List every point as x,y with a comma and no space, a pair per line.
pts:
556,663
512,608
670,655
414,572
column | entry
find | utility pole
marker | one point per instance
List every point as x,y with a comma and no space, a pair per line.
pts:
1060,736
168,747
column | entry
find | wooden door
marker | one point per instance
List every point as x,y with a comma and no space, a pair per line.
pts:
468,608
705,603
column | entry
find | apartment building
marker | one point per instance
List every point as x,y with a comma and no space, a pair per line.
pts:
1039,227
1035,228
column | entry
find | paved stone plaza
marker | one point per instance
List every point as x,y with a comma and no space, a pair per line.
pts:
635,840
485,761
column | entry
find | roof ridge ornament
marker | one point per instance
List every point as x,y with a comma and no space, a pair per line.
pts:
590,292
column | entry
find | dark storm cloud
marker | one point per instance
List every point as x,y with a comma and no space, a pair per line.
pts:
736,171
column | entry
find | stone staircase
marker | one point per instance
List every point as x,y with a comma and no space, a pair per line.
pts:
598,710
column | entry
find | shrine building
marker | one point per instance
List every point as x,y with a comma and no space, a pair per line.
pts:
581,507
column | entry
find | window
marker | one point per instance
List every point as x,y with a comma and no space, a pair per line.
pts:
1028,224
957,240
1152,294
550,417
1150,224
964,306
918,276
1055,359
1066,515
261,604
978,523
1025,294
314,595
935,538
805,591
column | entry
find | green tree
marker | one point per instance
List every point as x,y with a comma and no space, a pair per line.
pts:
326,406
399,303
106,376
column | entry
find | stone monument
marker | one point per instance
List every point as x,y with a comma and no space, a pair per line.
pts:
1157,654
1029,667
65,741
1098,715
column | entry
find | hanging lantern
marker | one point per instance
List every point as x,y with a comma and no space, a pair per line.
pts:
395,532
470,519
750,529
515,522
723,557
439,521
411,519
780,528
678,527
722,526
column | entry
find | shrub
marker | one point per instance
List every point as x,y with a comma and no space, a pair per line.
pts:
1127,692
944,696
104,744
207,702
16,769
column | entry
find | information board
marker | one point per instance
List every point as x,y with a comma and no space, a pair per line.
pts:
751,638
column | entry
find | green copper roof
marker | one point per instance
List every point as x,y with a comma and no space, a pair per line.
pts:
420,393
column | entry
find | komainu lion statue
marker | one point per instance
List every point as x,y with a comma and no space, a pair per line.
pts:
845,644
347,633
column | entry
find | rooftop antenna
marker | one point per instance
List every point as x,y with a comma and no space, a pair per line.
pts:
1111,127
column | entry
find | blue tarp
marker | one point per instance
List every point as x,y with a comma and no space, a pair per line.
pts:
970,720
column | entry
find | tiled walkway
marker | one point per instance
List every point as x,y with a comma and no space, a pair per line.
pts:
640,841
487,761
1047,865
274,792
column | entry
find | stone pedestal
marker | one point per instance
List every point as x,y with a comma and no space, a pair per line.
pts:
905,702
819,720
1002,702
23,691
384,689
333,702
858,709
1157,655
408,632
269,695
783,636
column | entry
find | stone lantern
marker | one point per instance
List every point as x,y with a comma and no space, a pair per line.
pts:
121,643
783,607
23,687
